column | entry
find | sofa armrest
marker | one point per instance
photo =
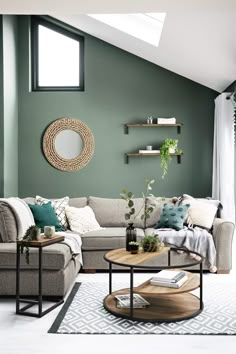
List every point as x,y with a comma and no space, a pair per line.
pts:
223,231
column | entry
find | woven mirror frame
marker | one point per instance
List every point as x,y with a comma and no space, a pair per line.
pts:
49,144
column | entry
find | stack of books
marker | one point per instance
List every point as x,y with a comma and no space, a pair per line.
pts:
149,151
169,278
123,301
171,120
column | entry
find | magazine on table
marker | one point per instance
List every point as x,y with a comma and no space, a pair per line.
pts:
175,285
169,276
138,301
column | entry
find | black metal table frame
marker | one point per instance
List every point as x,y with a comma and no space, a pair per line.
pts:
32,302
175,249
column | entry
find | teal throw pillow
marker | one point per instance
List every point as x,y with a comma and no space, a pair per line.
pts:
44,215
172,217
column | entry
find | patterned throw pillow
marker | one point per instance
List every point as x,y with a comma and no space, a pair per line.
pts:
82,220
59,207
172,217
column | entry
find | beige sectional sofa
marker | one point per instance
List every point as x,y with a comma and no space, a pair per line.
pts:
110,215
61,267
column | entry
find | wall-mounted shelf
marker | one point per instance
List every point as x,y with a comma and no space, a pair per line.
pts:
178,125
133,154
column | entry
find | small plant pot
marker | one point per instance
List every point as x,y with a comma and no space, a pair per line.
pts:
134,249
150,247
172,150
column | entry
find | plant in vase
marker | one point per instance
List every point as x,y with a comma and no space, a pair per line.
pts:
31,234
134,247
151,243
168,147
131,215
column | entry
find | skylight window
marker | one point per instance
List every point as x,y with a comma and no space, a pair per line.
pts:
57,57
146,26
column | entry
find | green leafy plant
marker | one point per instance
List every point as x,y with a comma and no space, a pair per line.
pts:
150,243
165,154
31,234
131,215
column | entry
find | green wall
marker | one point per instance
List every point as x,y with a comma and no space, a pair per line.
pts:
119,88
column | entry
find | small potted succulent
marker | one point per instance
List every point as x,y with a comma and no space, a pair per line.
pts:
134,247
151,243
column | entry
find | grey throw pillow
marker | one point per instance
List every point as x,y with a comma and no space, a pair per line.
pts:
8,228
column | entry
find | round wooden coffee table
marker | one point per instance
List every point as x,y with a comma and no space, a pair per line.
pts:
166,304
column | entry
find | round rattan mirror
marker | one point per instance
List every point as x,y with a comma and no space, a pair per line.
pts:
68,144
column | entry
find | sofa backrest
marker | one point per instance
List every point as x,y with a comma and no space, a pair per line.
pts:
111,212
8,227
78,202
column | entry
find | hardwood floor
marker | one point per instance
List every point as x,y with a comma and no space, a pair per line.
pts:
26,335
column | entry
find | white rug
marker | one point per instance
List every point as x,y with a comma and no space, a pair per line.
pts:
83,313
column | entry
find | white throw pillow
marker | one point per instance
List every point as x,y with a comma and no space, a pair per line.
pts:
82,220
200,213
59,207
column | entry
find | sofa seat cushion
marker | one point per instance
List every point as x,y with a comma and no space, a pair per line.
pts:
111,212
108,238
55,257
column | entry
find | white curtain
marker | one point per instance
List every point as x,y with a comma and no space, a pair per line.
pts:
223,155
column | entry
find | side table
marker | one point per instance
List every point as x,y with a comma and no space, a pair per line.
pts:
44,242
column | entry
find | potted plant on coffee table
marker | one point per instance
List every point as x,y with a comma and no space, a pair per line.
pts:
132,214
134,247
151,243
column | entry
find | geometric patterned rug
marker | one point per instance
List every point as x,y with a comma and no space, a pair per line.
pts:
83,313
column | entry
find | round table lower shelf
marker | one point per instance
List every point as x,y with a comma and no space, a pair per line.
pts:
165,308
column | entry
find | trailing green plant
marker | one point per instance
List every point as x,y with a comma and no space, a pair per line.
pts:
31,234
165,154
150,243
131,215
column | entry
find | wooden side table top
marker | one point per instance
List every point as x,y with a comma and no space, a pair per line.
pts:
42,242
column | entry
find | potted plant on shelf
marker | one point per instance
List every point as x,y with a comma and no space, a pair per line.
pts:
131,215
134,247
151,243
31,234
168,147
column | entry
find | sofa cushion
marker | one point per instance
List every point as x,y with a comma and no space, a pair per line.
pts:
201,213
59,207
172,216
106,239
81,220
157,204
111,212
44,215
8,227
55,257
